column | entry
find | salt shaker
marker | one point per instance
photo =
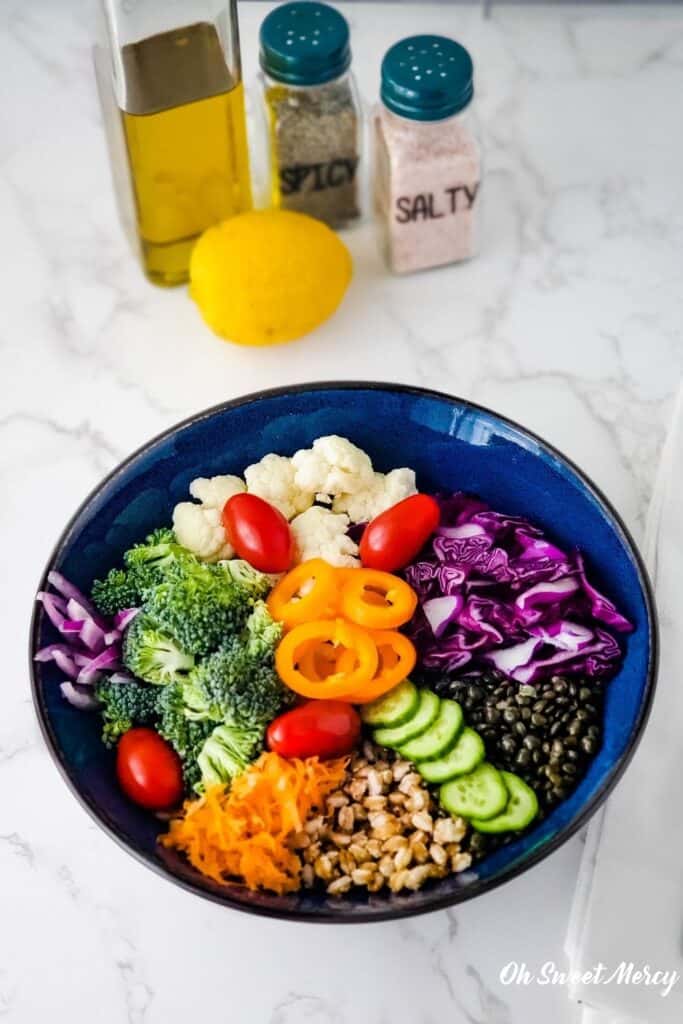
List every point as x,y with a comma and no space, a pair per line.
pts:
312,111
427,174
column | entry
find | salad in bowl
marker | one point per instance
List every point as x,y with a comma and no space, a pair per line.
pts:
316,676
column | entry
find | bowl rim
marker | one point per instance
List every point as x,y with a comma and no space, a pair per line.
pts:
358,916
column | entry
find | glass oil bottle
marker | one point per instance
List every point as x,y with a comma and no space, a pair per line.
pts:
170,85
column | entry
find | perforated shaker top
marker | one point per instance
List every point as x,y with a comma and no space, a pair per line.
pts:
427,78
305,43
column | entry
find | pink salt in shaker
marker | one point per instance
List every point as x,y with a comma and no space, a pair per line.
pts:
427,175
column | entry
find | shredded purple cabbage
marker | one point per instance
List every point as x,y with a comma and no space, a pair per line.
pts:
494,591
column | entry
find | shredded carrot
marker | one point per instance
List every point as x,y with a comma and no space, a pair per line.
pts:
242,834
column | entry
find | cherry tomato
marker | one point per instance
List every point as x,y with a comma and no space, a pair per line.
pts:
393,538
149,770
258,532
322,728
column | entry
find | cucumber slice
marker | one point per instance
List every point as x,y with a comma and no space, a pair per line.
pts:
482,794
394,708
427,710
439,737
522,808
461,759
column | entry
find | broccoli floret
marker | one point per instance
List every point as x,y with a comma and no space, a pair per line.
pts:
186,736
238,682
115,592
147,563
226,753
152,655
255,583
199,605
262,633
123,706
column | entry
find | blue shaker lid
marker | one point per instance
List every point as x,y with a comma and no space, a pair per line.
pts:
304,43
426,78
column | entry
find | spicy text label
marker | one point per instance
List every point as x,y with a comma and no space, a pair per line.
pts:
316,177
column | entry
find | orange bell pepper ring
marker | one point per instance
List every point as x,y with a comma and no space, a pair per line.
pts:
321,660
296,645
376,600
307,593
397,659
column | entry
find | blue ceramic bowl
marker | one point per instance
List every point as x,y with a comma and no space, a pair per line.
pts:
452,445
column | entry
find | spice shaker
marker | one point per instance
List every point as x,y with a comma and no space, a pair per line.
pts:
171,90
312,112
427,167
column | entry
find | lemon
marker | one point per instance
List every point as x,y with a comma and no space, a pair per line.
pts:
268,276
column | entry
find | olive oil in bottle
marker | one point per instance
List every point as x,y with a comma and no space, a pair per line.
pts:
182,130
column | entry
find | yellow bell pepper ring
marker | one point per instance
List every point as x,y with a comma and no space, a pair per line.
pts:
308,592
376,600
397,657
295,645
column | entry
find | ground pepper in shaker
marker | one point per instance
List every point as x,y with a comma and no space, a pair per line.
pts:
427,173
312,111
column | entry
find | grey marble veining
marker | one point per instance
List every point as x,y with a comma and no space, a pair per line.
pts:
569,321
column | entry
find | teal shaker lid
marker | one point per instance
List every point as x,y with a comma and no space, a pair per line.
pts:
426,78
304,43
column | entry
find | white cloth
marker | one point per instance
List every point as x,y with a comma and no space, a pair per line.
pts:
628,906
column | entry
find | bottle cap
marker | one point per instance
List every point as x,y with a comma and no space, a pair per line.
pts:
304,43
426,78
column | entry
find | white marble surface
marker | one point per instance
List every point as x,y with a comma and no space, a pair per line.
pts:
569,321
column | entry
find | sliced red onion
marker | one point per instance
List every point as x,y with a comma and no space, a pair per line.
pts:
80,700
55,609
66,664
92,636
55,599
441,611
124,618
109,658
77,610
71,626
92,643
71,592
48,653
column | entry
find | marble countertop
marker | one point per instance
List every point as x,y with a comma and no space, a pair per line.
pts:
569,321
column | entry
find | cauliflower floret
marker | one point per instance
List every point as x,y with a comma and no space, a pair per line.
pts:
332,466
385,491
320,533
273,480
398,484
215,491
199,527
